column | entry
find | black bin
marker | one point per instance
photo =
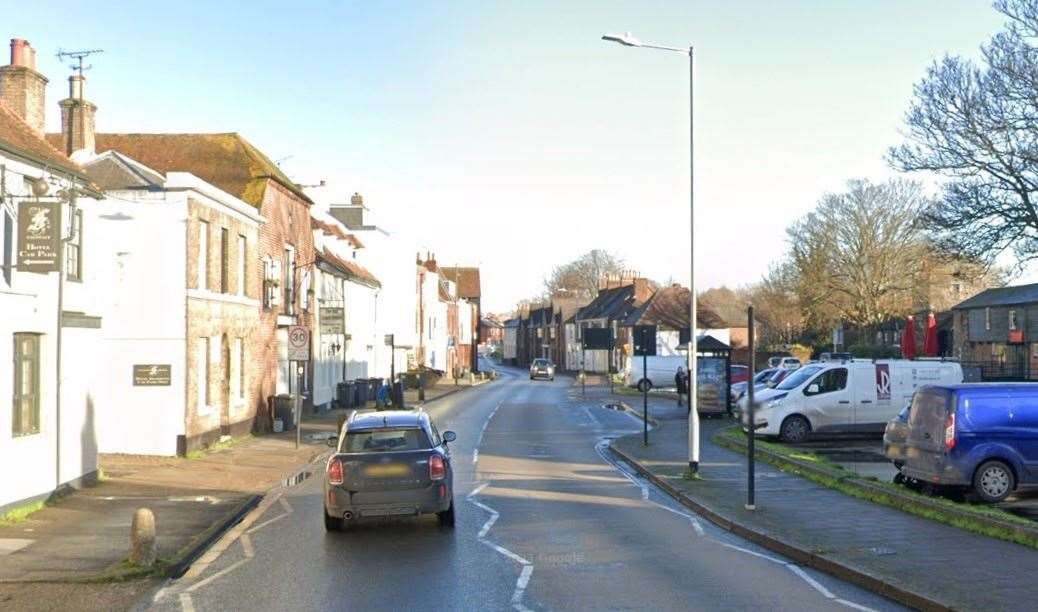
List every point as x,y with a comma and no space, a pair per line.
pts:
284,409
362,392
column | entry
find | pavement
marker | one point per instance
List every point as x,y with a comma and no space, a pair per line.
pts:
546,519
915,560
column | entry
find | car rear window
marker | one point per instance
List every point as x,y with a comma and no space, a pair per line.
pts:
540,362
385,439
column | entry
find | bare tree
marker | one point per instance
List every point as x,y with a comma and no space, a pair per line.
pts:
858,254
776,306
978,125
580,278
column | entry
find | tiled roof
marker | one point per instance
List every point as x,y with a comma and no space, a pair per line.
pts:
352,270
333,229
467,280
613,304
113,170
445,296
225,160
668,308
16,134
1001,296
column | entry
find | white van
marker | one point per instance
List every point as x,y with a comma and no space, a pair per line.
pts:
856,396
661,371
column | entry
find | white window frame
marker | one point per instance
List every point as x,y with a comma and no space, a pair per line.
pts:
243,268
202,268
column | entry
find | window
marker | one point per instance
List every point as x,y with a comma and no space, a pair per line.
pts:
242,264
1012,320
987,319
387,439
203,256
241,367
74,248
8,247
829,381
235,375
26,410
225,260
956,289
202,375
289,281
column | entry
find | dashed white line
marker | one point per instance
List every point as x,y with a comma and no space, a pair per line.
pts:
483,430
230,568
527,568
185,603
808,579
246,546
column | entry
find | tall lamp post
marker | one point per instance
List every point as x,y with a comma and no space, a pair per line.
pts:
693,415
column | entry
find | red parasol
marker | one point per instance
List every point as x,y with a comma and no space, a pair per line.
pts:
908,339
930,348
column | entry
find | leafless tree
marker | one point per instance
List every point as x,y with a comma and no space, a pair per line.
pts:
978,125
580,278
857,255
776,307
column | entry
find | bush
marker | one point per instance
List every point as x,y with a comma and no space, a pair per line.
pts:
871,351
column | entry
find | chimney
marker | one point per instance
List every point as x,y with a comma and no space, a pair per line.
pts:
357,199
77,118
22,89
642,290
351,215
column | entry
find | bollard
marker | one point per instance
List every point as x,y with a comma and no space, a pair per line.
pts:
142,538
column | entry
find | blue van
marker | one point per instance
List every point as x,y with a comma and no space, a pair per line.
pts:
983,436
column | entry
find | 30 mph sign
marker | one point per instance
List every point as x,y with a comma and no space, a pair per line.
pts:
298,343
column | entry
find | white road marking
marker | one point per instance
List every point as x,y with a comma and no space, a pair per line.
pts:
808,579
475,455
186,604
246,546
851,604
288,510
527,567
691,519
483,430
230,568
753,552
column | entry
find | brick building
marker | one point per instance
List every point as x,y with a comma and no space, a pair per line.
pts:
467,282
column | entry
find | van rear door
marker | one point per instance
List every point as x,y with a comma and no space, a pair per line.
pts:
925,442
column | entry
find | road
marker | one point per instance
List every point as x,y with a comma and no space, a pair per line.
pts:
546,521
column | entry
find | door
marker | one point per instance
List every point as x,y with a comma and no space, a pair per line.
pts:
873,397
827,401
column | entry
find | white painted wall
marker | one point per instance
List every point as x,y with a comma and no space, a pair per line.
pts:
29,304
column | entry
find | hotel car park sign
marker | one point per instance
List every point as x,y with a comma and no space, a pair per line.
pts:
39,237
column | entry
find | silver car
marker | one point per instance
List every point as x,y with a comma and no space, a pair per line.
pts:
542,368
386,463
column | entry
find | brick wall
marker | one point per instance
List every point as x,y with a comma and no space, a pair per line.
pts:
22,90
217,311
288,222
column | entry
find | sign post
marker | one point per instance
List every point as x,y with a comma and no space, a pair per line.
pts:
751,428
391,343
299,352
645,346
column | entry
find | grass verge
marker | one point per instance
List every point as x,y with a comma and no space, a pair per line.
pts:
20,514
985,520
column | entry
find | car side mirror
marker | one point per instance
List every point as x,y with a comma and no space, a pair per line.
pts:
333,442
811,390
449,436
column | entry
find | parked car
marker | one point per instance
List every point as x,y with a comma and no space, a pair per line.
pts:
895,437
835,357
852,397
789,363
760,381
661,370
392,462
738,373
542,368
981,436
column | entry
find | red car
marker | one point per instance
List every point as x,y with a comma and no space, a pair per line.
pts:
740,373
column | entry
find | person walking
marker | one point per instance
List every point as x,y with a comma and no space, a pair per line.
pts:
680,383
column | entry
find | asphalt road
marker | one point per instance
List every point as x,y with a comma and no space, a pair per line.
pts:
546,521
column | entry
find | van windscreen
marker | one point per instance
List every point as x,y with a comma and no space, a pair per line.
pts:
929,409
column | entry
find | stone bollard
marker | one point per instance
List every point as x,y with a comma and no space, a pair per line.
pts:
142,538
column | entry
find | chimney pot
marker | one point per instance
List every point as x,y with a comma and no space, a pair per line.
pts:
357,199
18,55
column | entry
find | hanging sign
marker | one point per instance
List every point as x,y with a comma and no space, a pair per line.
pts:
39,237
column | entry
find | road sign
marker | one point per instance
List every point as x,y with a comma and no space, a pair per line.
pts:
645,340
298,343
598,339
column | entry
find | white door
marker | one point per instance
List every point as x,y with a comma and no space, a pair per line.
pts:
869,409
827,401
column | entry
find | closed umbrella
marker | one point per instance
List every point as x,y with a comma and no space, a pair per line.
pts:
930,348
908,339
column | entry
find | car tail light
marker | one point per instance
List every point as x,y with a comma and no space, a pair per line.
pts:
949,432
437,468
335,471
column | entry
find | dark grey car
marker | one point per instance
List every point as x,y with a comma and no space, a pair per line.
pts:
389,463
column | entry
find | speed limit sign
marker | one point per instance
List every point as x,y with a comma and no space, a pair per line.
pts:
298,343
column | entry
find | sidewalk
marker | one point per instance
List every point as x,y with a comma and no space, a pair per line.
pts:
86,534
913,560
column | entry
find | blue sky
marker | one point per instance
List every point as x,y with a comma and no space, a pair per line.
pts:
508,134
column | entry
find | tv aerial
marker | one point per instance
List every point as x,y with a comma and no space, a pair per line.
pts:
76,58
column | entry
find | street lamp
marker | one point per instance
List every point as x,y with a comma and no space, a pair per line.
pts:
693,415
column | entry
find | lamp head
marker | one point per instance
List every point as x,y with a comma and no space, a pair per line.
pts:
624,39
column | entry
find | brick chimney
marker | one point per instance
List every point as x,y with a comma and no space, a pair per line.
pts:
22,89
351,215
77,118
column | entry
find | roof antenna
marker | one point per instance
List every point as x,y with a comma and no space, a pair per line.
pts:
77,57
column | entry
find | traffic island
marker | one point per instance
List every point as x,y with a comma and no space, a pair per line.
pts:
902,556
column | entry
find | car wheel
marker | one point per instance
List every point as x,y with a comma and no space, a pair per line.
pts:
993,481
447,516
552,378
332,523
644,385
794,429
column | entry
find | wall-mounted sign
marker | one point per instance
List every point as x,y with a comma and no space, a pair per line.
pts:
332,322
298,343
390,341
598,339
39,237
152,375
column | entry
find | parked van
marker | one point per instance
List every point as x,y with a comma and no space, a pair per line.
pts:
852,397
788,363
661,371
982,435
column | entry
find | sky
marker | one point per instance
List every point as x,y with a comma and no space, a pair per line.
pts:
507,134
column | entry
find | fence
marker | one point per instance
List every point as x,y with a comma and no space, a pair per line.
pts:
996,370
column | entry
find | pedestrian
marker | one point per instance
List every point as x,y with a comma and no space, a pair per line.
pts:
680,382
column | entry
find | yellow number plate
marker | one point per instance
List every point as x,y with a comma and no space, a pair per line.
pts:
387,469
